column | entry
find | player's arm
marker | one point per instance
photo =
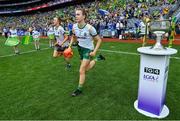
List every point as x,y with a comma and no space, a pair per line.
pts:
73,39
96,37
65,39
98,44
55,40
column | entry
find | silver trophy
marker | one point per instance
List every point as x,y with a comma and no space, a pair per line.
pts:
159,28
158,45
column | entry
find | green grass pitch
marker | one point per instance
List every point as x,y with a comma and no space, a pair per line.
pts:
36,86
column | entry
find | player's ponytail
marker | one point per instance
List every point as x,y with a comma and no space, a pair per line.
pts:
59,19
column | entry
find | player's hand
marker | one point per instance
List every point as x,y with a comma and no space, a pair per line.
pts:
92,54
55,44
69,47
61,45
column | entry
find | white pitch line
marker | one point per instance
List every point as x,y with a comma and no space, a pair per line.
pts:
130,53
178,58
104,50
119,52
23,53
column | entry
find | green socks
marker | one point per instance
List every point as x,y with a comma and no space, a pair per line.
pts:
80,86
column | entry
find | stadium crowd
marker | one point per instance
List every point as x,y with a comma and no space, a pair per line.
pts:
111,18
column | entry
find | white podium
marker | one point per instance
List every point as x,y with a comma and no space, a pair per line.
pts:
154,66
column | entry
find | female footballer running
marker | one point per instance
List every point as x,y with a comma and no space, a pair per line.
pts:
84,34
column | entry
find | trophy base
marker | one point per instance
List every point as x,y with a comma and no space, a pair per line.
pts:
158,47
164,113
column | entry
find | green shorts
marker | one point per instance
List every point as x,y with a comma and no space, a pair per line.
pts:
84,53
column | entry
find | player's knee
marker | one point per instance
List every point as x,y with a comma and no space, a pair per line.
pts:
55,54
82,71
